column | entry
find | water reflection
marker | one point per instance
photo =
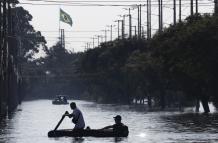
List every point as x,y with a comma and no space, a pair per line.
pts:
193,122
118,139
142,135
78,140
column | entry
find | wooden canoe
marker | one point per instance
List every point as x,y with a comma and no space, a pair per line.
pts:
88,133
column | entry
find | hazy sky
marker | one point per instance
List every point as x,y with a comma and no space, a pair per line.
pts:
96,18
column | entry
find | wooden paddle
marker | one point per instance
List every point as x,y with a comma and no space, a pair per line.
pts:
60,121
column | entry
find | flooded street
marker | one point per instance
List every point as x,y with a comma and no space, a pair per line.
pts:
34,119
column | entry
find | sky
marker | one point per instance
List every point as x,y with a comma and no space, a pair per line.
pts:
90,21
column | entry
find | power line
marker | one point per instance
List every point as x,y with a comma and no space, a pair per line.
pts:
43,4
105,1
100,1
72,31
99,4
65,37
68,41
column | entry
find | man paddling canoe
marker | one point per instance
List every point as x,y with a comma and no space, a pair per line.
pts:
116,130
77,115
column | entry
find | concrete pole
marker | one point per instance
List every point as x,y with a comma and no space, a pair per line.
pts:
122,22
180,10
191,8
148,19
174,12
196,2
216,6
111,32
130,24
93,42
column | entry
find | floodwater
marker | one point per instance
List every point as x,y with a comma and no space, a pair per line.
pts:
33,120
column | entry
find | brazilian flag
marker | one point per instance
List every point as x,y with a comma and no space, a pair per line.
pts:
64,17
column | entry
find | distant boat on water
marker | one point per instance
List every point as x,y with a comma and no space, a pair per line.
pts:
60,100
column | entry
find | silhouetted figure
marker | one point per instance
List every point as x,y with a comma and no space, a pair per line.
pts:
64,99
77,115
118,126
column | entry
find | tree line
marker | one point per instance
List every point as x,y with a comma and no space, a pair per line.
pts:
176,68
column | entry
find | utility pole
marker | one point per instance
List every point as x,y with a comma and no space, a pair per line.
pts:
123,26
93,42
87,46
160,15
143,32
122,21
102,39
148,19
98,40
130,25
118,25
161,5
98,37
180,10
111,31
196,2
174,12
216,6
105,35
139,20
135,30
191,8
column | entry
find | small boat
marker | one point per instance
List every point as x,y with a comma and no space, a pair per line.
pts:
60,100
88,133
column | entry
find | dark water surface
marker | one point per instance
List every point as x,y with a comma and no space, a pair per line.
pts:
36,118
